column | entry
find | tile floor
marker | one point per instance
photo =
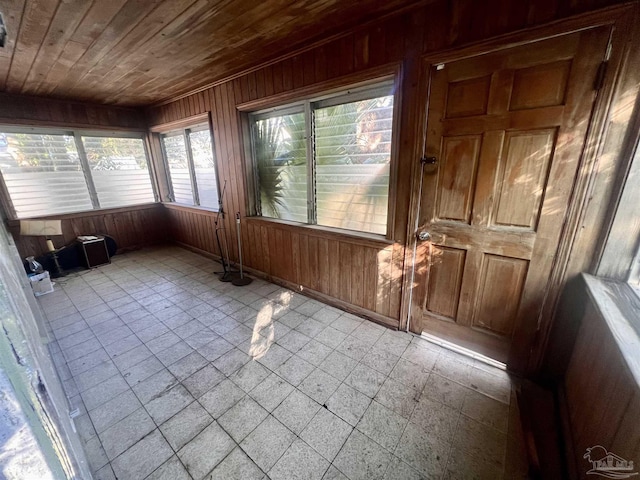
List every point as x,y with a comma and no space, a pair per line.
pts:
179,376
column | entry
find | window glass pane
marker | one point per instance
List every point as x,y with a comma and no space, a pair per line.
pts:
119,170
43,174
281,161
202,153
178,168
353,151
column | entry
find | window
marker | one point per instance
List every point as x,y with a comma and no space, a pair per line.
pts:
326,161
191,166
119,170
48,172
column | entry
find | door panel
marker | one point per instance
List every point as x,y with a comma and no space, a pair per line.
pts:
502,279
540,86
468,97
507,129
445,280
457,181
527,156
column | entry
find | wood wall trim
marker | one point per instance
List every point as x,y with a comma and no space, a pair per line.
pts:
599,372
405,39
315,230
621,246
585,21
21,122
87,213
358,238
131,227
360,79
609,16
348,307
189,208
180,124
293,53
578,233
51,112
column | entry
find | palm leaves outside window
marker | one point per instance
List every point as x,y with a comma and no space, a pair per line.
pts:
351,152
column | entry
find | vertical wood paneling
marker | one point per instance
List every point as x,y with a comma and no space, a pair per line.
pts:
304,260
295,256
130,228
43,111
357,276
281,271
346,270
265,244
324,273
344,292
334,268
598,372
314,260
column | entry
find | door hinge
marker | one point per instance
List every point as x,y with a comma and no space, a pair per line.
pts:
600,74
429,160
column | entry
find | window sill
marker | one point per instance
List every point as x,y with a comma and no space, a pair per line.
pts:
183,206
619,305
351,236
85,213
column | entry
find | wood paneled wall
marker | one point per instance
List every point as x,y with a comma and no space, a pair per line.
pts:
194,228
602,395
360,273
131,227
39,111
350,275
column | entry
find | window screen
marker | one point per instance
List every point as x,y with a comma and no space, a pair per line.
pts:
48,174
176,154
281,161
353,152
192,166
119,170
43,174
204,166
343,181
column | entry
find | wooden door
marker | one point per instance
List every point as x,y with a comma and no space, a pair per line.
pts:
507,129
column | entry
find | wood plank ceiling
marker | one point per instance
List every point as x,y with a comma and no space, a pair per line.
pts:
137,52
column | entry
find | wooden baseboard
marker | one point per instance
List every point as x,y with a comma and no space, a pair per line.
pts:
542,432
567,436
334,302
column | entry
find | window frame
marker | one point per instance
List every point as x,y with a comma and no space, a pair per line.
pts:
77,134
185,128
307,102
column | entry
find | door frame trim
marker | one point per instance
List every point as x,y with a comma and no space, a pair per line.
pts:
528,361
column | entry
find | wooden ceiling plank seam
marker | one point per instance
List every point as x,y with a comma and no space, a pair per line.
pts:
266,47
309,44
271,30
70,15
206,61
12,40
145,55
55,13
82,40
101,46
124,50
188,84
74,53
22,59
135,69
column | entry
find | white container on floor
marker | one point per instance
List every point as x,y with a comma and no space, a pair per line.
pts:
41,283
